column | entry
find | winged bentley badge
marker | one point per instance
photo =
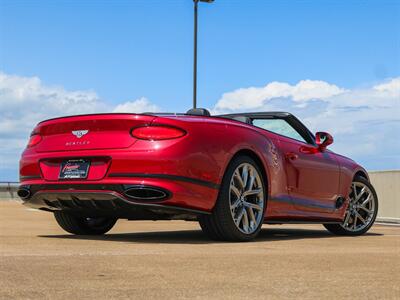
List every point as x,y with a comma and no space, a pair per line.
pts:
79,133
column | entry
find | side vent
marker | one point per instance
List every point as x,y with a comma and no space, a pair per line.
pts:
339,202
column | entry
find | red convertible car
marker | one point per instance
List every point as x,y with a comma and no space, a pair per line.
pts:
231,173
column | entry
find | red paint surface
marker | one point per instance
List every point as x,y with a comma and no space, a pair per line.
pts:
296,173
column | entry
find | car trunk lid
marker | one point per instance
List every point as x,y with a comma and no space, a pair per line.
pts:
89,132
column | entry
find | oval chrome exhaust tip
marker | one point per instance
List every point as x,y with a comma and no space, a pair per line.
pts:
24,193
146,193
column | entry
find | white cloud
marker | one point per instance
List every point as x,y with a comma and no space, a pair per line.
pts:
138,106
254,97
392,87
24,101
314,89
365,122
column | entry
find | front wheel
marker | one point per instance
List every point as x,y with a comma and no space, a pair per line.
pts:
361,212
82,225
239,212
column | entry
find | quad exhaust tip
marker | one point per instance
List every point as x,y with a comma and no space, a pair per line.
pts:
146,193
24,193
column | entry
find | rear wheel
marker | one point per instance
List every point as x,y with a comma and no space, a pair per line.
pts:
83,226
239,212
361,212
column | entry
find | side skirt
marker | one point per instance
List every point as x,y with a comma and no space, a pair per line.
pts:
288,221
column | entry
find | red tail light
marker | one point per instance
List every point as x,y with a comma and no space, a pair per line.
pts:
34,140
156,133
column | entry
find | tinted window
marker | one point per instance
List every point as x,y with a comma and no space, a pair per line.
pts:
279,126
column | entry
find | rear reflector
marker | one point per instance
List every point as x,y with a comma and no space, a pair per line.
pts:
156,133
34,140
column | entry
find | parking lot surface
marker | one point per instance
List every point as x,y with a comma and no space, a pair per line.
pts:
173,259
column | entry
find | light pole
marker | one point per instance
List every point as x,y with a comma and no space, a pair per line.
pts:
196,2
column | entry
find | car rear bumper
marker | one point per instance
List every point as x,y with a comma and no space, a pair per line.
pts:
125,197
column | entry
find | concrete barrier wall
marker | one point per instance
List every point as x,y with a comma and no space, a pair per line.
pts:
386,183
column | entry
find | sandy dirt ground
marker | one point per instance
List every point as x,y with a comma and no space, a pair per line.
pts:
173,259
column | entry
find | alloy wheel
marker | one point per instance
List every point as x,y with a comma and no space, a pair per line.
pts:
361,209
246,198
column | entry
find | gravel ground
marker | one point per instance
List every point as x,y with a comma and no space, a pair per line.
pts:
172,259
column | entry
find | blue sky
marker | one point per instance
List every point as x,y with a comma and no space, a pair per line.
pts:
126,50
130,49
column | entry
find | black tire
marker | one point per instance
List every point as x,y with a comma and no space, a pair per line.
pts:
219,225
338,229
83,226
207,228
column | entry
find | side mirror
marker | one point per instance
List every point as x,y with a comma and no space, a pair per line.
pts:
323,140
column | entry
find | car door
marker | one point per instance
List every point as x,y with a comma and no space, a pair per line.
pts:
312,175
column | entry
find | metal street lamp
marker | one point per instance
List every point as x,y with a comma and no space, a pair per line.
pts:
196,2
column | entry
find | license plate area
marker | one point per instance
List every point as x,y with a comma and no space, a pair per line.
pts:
74,169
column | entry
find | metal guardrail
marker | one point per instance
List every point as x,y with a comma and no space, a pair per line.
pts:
8,190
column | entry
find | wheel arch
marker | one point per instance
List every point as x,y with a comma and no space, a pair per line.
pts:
361,173
252,154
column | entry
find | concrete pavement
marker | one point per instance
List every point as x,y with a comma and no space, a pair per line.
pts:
173,259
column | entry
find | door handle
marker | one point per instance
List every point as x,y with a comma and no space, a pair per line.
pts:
291,156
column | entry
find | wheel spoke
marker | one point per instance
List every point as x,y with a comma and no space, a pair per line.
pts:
235,204
250,183
346,220
368,211
368,199
240,179
354,191
245,221
360,218
235,190
252,192
253,220
360,194
355,221
239,217
253,206
245,175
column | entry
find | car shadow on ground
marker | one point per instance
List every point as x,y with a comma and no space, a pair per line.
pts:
198,237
